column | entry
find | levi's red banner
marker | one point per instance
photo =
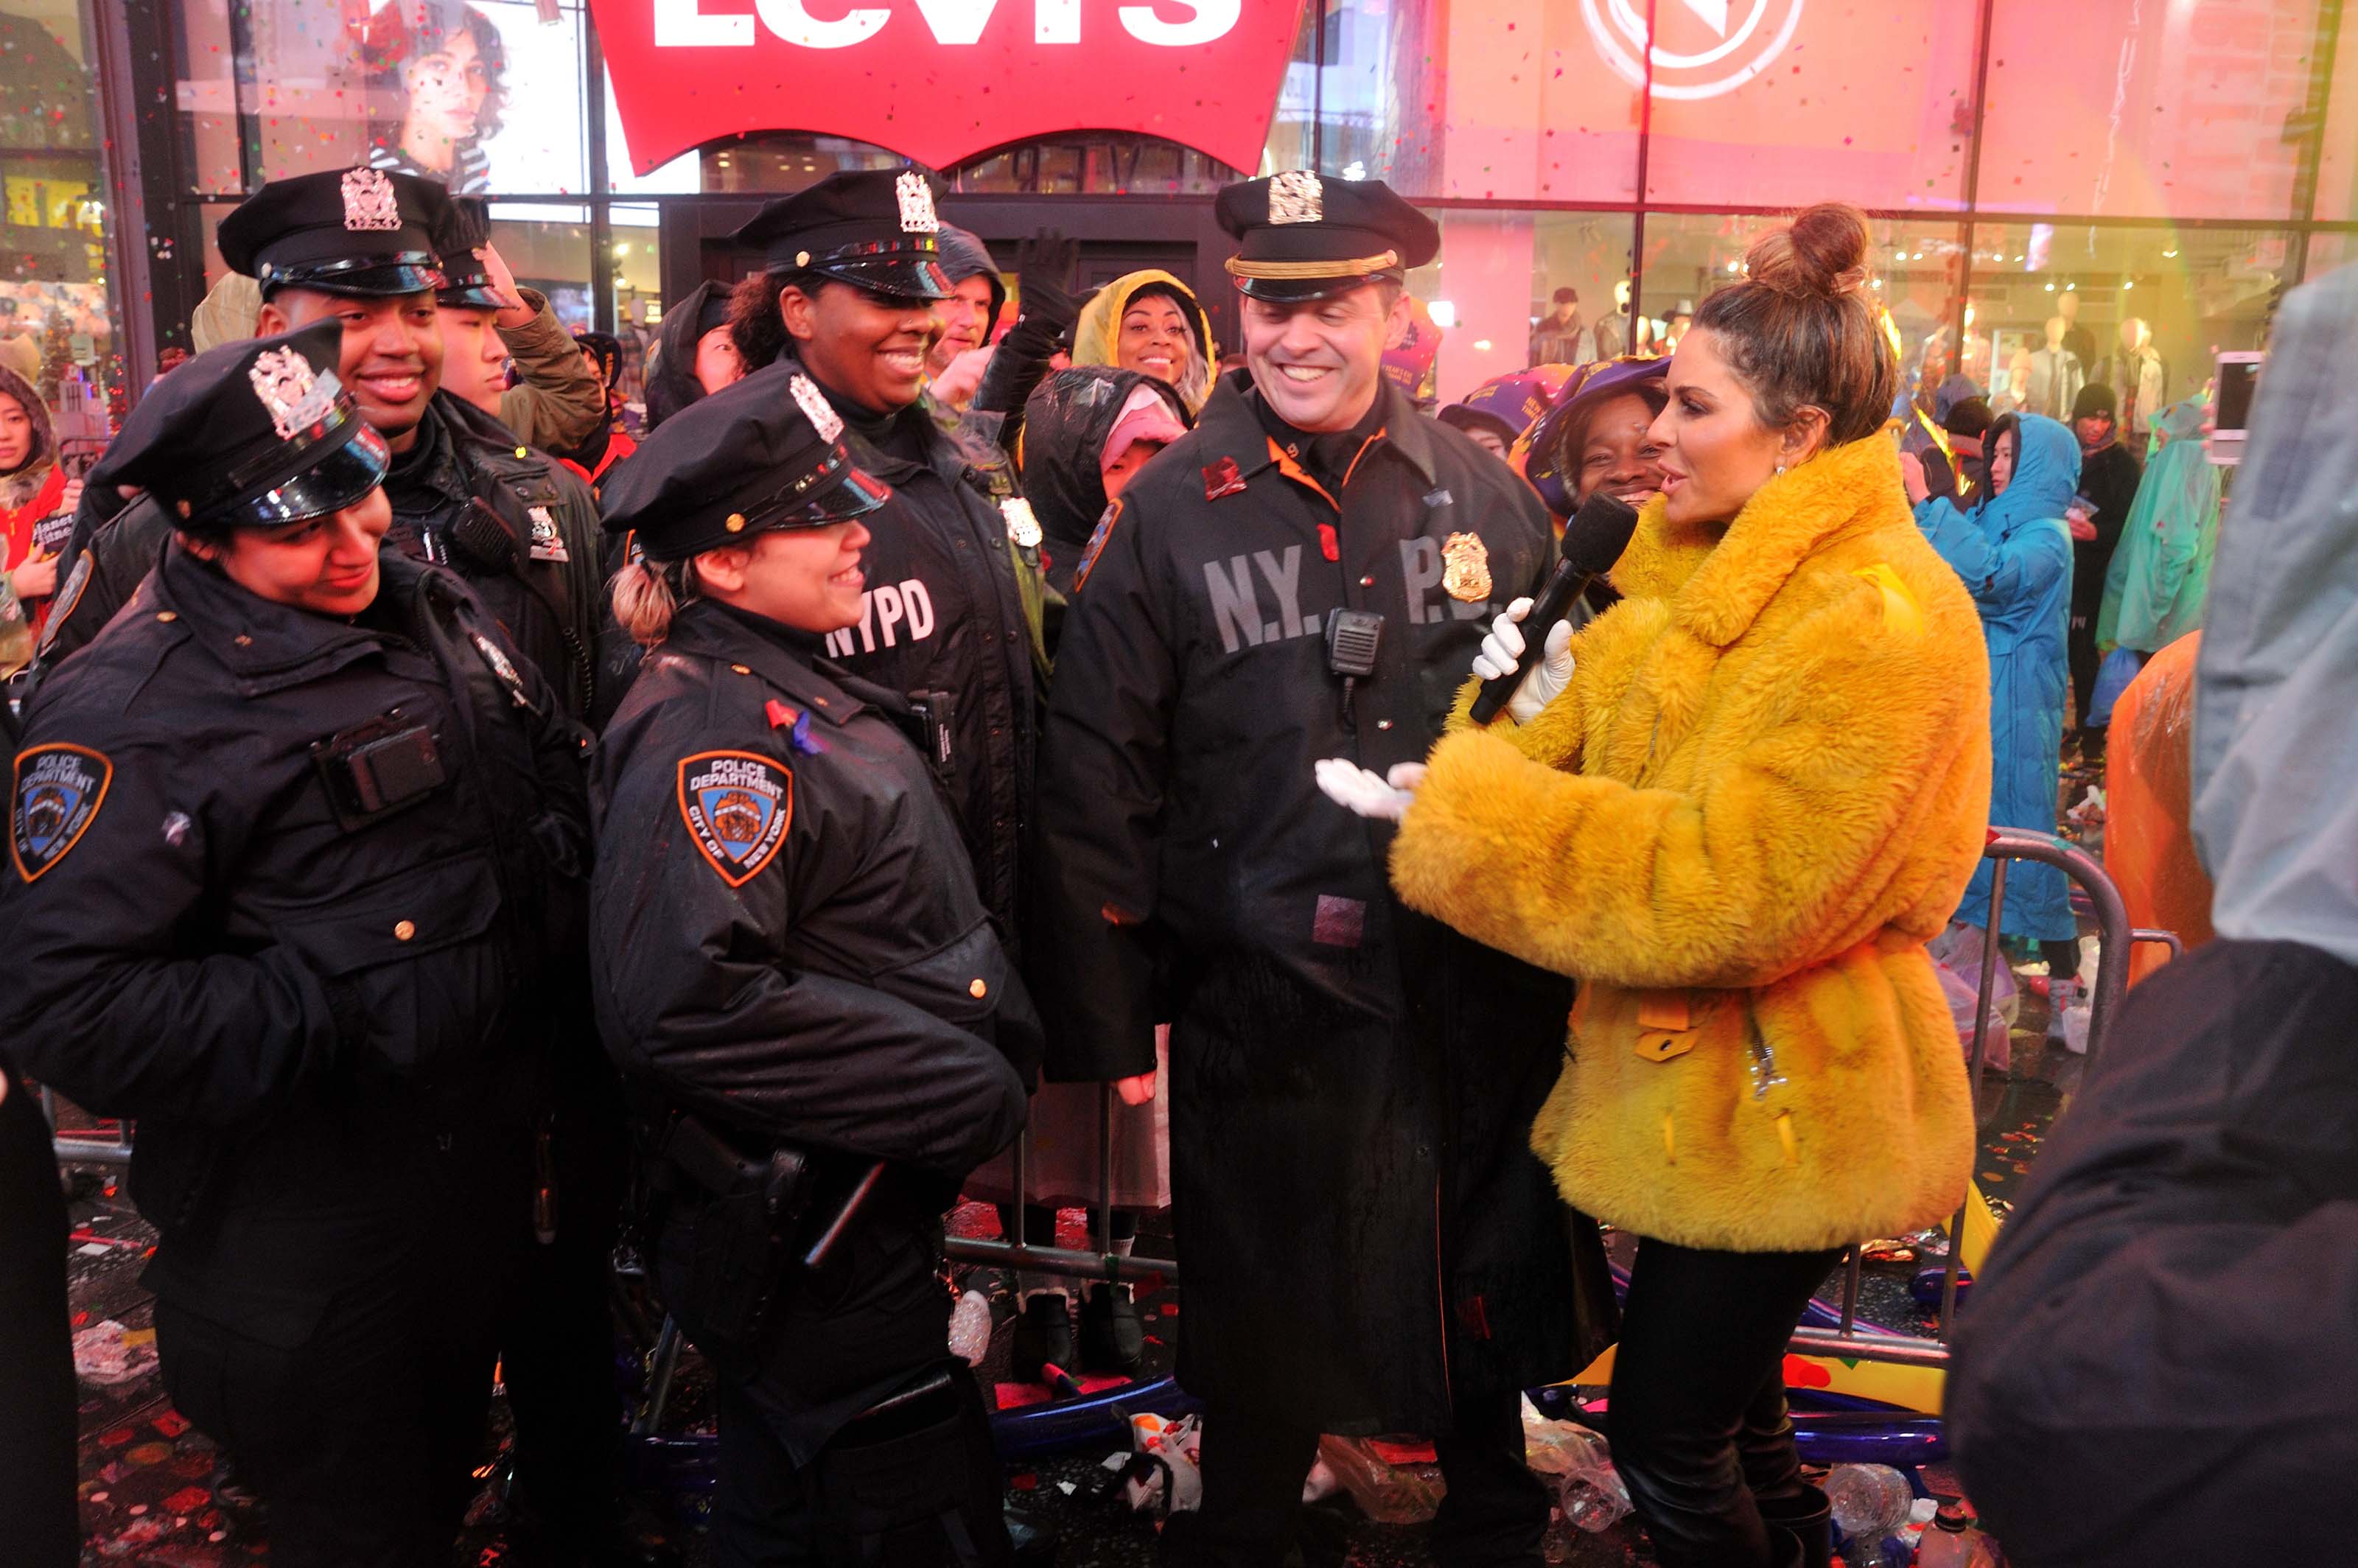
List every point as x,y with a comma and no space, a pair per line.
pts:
944,81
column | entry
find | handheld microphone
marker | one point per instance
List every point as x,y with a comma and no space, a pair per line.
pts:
1593,541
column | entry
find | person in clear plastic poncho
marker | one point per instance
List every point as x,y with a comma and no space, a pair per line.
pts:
2160,576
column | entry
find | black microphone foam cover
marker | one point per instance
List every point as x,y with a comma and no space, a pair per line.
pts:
1599,532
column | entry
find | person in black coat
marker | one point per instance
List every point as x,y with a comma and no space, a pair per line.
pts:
299,852
796,974
853,272
1068,420
1368,1243
2109,476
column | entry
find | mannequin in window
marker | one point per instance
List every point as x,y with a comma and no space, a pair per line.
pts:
2056,374
2141,378
2076,338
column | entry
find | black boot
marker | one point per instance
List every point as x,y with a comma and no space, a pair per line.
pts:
1112,1337
1043,1336
1807,1518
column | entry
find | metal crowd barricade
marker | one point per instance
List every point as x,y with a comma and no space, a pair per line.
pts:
78,1148
2117,936
1016,1251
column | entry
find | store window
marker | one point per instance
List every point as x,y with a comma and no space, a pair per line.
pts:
2136,109
2140,310
1913,269
635,263
777,162
1518,103
547,248
56,327
1496,277
1107,165
2337,168
1785,104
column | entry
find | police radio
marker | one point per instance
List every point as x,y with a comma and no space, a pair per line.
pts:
1352,638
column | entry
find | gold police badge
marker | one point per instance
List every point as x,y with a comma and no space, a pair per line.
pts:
1465,569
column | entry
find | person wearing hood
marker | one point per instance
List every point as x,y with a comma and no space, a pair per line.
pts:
694,355
34,506
1085,432
1596,436
2160,574
2156,1367
2013,551
2109,474
954,366
1146,322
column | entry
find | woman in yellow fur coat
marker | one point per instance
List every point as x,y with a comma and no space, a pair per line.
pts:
1761,783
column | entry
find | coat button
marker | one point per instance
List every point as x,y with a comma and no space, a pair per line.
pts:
735,523
978,991
521,453
167,615
403,930
1367,582
820,700
244,641
1383,723
741,669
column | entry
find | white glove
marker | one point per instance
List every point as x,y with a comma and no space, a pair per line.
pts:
1502,650
1352,786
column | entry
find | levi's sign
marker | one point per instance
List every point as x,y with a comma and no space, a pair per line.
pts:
944,81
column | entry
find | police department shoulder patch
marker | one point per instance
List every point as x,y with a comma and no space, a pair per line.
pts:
58,790
738,807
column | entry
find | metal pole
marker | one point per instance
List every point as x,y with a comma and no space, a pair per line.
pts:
1105,1170
1974,1082
1850,1289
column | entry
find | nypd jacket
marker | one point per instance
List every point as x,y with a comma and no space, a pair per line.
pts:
1326,1043
785,936
944,612
303,896
519,526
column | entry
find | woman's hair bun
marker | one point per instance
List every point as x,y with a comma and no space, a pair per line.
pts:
1822,252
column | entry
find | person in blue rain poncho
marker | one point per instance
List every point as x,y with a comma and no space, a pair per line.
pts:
2013,551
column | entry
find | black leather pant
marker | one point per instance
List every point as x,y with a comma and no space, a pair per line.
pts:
1699,1426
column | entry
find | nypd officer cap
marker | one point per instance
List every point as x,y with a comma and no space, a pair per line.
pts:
463,224
871,228
252,435
765,453
1305,236
343,231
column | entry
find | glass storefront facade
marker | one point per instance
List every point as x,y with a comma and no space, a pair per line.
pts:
2153,171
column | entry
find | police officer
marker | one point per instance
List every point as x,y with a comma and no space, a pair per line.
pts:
300,851
356,246
853,270
1306,574
793,966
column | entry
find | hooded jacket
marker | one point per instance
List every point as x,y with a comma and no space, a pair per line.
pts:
1759,795
964,255
30,494
1023,356
2160,574
1067,422
2274,741
2013,551
671,369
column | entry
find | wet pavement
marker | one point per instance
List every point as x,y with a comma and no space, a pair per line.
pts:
154,1492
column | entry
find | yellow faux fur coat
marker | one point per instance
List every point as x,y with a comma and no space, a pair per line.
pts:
1761,793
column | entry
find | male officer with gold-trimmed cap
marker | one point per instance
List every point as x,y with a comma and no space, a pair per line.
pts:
794,967
852,272
300,850
1308,574
357,246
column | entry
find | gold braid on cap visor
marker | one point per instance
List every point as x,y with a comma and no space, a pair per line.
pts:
1281,270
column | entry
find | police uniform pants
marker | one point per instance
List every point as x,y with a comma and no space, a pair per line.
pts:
557,1346
38,1519
1699,1427
1254,1461
920,1487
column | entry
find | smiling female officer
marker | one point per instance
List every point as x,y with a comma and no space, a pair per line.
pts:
797,972
299,851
